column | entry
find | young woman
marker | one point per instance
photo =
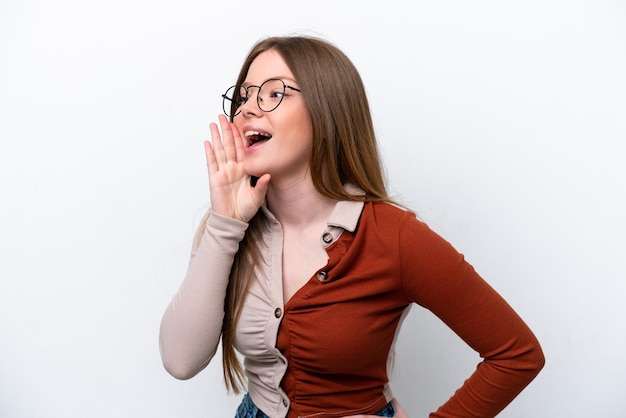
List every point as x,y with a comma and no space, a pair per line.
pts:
304,265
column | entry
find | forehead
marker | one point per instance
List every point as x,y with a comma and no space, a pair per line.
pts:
269,64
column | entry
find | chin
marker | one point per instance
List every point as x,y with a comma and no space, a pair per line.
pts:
255,173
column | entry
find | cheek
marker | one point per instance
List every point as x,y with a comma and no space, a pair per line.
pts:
238,121
296,128
305,130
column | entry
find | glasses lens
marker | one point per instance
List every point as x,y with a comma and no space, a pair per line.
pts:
271,94
232,101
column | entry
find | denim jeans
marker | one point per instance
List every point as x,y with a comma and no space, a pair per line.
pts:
247,409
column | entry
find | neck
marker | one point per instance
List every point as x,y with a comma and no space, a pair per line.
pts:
298,203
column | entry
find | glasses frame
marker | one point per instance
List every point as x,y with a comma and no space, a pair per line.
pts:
245,99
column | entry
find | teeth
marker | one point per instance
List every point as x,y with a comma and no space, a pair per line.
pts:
256,133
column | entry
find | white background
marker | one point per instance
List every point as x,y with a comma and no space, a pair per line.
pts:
503,124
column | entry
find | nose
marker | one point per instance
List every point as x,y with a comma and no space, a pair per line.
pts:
251,106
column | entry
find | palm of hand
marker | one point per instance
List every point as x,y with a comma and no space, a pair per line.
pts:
232,194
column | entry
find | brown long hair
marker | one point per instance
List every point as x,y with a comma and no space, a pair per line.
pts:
344,151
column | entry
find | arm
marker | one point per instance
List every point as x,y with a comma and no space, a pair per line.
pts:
192,324
437,277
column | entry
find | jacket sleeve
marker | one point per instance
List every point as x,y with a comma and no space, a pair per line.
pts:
192,323
438,278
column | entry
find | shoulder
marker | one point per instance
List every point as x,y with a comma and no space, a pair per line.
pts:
389,222
388,214
401,225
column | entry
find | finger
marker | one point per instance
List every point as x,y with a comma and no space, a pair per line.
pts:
260,188
239,145
228,140
216,142
210,158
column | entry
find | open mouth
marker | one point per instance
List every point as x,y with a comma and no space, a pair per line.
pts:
256,137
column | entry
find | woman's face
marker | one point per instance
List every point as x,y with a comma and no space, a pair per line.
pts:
277,142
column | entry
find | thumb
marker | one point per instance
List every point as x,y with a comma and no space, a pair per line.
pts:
261,186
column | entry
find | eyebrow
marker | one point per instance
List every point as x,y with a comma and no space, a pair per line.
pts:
289,79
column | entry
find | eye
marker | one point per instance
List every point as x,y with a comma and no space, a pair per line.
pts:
277,94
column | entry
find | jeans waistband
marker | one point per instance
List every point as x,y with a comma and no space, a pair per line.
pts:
247,409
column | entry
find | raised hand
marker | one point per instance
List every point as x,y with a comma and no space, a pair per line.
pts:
232,194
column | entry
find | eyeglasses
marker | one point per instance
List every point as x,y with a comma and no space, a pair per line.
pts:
270,94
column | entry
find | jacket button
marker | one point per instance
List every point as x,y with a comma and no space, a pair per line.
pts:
321,276
278,312
327,238
285,402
